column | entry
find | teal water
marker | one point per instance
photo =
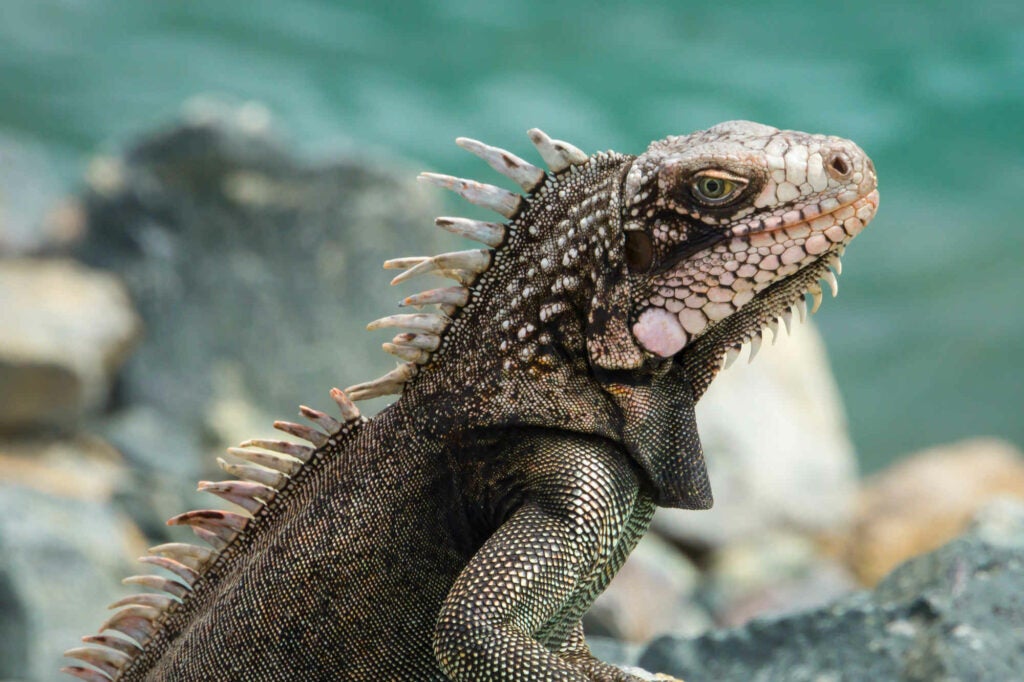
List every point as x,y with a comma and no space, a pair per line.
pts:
927,336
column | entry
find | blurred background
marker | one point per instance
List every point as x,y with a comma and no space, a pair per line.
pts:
195,198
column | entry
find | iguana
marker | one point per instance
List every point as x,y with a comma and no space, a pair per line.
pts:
546,408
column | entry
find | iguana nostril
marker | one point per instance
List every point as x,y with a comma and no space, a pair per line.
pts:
839,166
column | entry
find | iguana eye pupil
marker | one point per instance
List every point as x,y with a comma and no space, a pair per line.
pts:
639,251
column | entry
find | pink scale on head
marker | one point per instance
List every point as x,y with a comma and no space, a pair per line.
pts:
659,332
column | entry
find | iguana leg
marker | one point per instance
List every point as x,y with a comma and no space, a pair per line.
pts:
574,648
579,495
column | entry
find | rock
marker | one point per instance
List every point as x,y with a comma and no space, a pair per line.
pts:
165,462
611,650
651,594
924,501
33,217
254,271
776,445
951,615
773,574
63,548
66,330
648,676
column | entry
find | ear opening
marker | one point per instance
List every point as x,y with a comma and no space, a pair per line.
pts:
639,251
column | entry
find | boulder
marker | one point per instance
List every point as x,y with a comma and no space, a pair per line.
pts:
64,546
254,270
775,573
66,330
776,445
954,614
33,216
924,501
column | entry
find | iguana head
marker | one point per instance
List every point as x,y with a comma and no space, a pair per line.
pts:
727,229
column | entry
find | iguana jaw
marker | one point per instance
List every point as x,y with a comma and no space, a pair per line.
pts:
720,343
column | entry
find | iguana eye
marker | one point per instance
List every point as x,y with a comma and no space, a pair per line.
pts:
716,189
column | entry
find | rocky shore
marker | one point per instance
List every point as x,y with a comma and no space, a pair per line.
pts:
206,280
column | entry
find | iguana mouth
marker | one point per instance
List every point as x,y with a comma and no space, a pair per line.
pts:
809,215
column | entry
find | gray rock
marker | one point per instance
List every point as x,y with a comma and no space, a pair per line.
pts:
611,650
63,548
254,271
925,500
33,217
66,329
165,461
955,614
773,574
778,453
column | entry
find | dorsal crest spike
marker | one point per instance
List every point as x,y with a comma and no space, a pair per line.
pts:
306,433
324,420
108,660
302,453
134,621
731,353
421,341
111,642
191,555
423,322
404,263
524,173
407,353
283,463
210,519
473,260
156,582
492,234
481,194
457,296
249,495
389,384
87,674
252,472
156,601
557,154
755,346
173,565
349,412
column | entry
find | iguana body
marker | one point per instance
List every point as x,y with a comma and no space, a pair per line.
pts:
544,413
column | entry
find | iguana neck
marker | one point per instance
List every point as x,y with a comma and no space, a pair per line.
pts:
518,344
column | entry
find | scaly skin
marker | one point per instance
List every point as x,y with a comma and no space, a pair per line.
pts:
464,531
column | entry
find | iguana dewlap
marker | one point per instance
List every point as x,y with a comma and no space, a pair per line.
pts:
546,407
